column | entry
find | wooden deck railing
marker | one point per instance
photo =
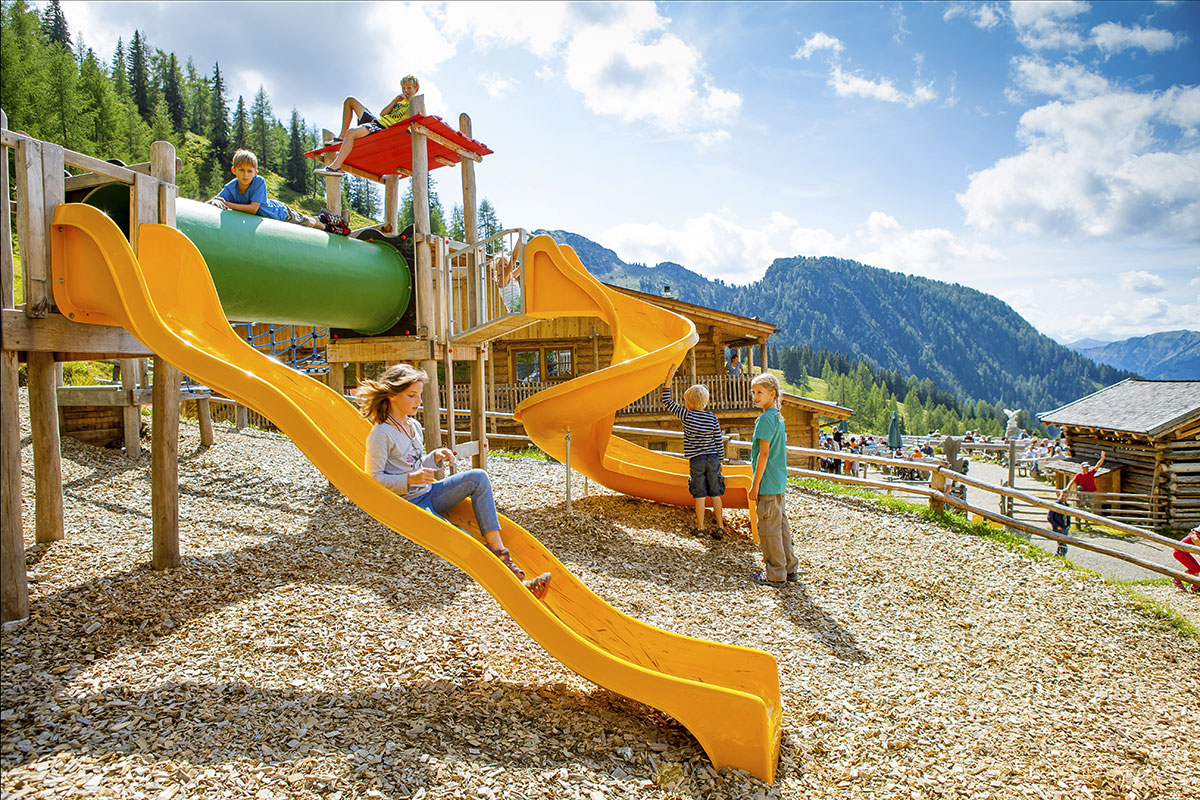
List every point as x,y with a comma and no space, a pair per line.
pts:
725,394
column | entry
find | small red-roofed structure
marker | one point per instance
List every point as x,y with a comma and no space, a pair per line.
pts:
390,151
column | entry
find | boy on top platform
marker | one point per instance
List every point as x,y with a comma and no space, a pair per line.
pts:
248,193
703,447
368,123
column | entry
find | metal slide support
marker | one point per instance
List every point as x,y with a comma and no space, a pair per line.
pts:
568,465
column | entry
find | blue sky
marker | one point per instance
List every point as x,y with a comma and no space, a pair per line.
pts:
1046,153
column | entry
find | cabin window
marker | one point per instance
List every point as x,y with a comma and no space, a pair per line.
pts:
559,364
528,365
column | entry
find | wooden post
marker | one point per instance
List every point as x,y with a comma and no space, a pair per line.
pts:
1012,475
204,415
475,291
241,417
131,416
426,301
937,482
478,411
762,354
14,584
391,205
47,455
32,229
491,362
595,349
692,363
164,445
333,194
337,377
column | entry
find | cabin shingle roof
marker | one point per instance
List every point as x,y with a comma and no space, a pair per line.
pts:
1133,406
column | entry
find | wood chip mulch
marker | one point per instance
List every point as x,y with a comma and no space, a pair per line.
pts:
303,650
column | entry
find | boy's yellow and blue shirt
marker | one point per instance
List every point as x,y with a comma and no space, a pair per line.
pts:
769,428
394,114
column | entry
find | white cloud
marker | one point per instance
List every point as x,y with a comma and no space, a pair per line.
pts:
817,42
496,85
1048,24
1112,37
719,247
983,15
1068,80
1141,281
1097,167
847,84
620,57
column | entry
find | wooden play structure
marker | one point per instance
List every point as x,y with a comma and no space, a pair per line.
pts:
455,311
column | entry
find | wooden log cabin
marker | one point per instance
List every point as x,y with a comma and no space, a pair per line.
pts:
1150,431
526,361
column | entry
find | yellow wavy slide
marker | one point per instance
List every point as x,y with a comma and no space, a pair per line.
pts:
727,696
647,340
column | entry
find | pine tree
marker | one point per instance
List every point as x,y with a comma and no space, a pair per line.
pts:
458,224
199,99
120,74
219,120
489,226
139,75
261,118
54,26
241,126
297,166
135,141
173,94
160,122
98,108
63,85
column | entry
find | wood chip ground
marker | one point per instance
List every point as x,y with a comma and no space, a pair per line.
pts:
305,651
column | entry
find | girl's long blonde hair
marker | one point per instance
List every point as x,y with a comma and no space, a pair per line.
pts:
373,395
769,380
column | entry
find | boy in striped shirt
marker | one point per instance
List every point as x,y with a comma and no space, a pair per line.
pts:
703,448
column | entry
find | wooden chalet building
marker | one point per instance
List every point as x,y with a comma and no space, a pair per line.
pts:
1151,433
526,361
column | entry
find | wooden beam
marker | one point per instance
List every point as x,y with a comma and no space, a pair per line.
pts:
131,413
391,205
47,453
426,302
14,583
164,443
31,229
475,293
445,162
57,334
442,140
478,410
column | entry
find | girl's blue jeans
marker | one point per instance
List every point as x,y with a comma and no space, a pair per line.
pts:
449,492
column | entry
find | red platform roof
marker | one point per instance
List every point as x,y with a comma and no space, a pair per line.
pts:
389,151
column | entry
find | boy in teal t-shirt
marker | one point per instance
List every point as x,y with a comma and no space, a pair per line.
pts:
768,455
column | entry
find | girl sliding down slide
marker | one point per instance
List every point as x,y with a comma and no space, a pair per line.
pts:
396,458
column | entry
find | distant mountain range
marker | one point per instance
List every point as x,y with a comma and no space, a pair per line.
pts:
964,340
1171,355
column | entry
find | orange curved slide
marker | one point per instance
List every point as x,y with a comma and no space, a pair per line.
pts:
727,696
647,340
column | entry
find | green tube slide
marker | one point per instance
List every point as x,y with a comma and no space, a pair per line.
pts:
270,271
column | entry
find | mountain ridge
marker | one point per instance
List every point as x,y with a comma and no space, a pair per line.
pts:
1167,355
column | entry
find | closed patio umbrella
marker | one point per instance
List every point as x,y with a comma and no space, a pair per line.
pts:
894,440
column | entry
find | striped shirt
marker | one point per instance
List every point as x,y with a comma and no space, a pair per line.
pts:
701,431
